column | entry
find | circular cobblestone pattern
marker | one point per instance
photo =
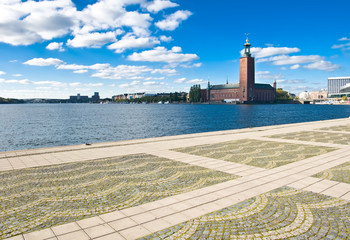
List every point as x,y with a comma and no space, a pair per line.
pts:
257,153
37,198
325,137
284,213
339,173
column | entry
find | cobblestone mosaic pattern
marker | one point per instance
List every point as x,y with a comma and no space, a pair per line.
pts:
342,128
256,153
37,198
284,213
325,137
339,173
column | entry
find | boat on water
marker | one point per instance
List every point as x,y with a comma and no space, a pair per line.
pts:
160,102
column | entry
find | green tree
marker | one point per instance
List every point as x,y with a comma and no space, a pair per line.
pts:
282,95
344,98
195,93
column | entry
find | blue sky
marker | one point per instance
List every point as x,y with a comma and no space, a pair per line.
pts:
58,48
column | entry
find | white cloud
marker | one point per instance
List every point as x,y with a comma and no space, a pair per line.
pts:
343,46
180,80
126,85
173,21
94,84
122,72
344,39
51,83
130,41
196,81
2,73
268,75
80,71
25,23
166,71
161,54
75,84
24,81
55,46
43,62
322,65
296,66
138,22
158,5
92,40
16,75
72,67
188,65
270,51
29,22
150,83
165,38
291,60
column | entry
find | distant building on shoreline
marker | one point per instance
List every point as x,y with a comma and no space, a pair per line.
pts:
246,91
129,96
338,87
85,99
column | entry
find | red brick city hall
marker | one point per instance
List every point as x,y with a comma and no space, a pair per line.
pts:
246,91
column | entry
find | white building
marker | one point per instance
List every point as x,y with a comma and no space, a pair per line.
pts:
335,84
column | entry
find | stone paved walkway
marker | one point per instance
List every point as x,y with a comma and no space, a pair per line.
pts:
277,182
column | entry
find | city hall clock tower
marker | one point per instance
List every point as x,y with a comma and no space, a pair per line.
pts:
247,75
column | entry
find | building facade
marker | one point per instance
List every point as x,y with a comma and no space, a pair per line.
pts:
337,86
246,91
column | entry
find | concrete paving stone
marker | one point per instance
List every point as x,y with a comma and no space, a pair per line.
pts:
112,216
121,224
81,235
113,236
154,205
180,206
337,190
65,228
134,232
143,217
162,212
18,237
176,218
99,230
132,211
321,186
90,222
157,225
39,235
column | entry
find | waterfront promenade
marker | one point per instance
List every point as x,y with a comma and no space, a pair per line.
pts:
278,182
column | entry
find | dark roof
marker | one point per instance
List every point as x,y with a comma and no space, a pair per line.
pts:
263,86
236,85
224,86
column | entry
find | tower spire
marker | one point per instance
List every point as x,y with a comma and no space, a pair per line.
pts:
247,47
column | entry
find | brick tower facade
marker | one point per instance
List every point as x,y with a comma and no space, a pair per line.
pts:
247,75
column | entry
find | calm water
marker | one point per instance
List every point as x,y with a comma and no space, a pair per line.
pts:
27,126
